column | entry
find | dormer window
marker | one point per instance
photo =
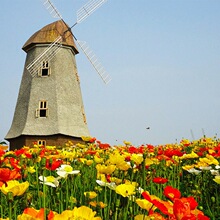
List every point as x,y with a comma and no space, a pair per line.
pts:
42,111
45,69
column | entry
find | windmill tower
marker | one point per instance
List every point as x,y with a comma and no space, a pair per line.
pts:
49,109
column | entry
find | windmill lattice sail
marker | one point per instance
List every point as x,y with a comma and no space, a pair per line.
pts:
86,10
94,61
52,10
47,55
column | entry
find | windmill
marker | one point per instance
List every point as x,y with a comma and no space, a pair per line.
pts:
83,13
49,109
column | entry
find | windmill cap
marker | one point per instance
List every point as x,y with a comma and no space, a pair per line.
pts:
49,33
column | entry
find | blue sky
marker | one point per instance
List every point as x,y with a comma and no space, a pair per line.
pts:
163,57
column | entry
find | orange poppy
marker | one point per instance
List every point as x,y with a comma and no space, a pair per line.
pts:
36,214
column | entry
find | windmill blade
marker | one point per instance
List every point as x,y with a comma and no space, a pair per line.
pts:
86,10
52,10
47,55
94,61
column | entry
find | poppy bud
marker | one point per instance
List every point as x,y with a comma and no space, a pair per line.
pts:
51,161
117,202
200,207
25,174
132,163
144,155
10,196
43,161
29,197
34,155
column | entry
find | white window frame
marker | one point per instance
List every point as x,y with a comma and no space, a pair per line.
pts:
41,143
43,105
44,66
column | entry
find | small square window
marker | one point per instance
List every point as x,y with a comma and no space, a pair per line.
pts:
41,143
45,69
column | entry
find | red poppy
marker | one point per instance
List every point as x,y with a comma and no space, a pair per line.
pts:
12,162
200,154
201,215
91,152
181,208
146,195
202,151
24,152
173,152
133,150
164,206
2,152
108,178
128,158
160,180
171,193
104,146
192,202
6,174
92,140
53,164
189,217
150,148
141,149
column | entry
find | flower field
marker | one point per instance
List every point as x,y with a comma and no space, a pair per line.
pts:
95,181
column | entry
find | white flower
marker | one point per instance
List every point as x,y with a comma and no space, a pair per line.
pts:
65,170
205,168
111,185
134,165
217,167
193,170
214,172
49,180
140,190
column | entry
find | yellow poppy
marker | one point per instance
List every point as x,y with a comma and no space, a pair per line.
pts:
137,158
188,167
90,195
84,213
15,187
31,169
89,162
144,204
109,169
98,159
125,190
67,214
217,179
188,156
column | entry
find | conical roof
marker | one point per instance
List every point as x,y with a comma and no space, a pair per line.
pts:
49,33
